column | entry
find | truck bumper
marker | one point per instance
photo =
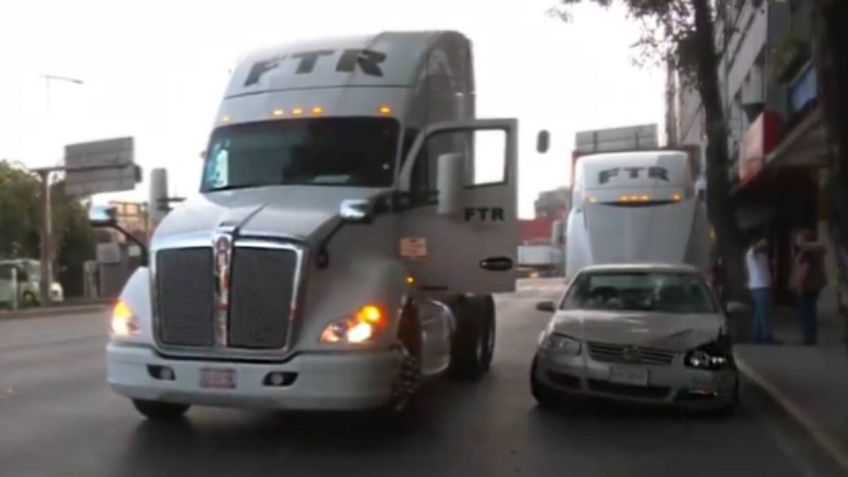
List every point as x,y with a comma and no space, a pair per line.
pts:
319,381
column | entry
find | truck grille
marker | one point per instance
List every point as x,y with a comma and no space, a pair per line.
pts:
615,353
261,291
185,296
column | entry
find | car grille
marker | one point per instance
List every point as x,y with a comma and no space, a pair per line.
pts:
262,282
645,392
615,353
185,296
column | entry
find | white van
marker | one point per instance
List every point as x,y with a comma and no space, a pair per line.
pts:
28,276
636,207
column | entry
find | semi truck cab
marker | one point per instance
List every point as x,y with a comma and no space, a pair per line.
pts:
353,222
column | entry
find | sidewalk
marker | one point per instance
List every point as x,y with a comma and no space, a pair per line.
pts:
67,308
809,382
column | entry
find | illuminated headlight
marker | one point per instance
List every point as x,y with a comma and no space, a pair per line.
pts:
562,344
124,322
359,327
710,356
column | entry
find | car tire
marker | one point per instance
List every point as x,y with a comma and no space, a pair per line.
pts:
546,398
28,300
474,338
160,411
730,408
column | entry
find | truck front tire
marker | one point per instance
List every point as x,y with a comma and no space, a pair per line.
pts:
160,411
474,342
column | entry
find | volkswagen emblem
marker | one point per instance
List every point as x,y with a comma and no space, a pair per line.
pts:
630,354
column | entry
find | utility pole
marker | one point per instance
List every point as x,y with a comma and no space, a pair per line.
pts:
46,221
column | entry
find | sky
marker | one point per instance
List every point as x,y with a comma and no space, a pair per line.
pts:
156,70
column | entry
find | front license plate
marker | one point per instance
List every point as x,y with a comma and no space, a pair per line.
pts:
218,378
630,376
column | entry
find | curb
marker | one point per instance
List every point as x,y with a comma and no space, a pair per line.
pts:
53,311
830,443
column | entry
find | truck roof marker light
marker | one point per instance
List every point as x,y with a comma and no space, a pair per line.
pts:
225,119
317,110
645,197
297,111
410,280
278,112
624,198
384,109
677,196
592,199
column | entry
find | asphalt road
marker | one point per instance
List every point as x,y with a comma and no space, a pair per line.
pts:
58,418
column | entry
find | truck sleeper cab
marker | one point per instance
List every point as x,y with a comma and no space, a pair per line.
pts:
353,221
636,207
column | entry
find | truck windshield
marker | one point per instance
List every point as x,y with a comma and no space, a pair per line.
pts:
640,291
350,151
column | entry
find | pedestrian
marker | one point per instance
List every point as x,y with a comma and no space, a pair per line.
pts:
808,280
759,283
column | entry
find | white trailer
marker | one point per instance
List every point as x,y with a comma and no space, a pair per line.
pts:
636,207
353,222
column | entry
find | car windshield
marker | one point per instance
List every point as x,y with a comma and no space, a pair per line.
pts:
351,151
662,292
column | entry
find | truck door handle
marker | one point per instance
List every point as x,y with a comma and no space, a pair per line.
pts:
496,264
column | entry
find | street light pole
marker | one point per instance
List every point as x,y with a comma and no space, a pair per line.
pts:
46,209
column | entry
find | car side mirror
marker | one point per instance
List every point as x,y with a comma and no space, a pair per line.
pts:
735,308
450,182
356,210
546,306
543,141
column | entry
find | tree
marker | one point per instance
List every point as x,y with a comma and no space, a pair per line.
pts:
681,33
20,224
830,47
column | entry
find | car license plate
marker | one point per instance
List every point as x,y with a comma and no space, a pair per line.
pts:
630,376
217,378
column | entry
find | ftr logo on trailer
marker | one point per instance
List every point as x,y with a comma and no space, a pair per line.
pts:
654,172
368,61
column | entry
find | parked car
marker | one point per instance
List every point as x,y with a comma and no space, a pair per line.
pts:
645,333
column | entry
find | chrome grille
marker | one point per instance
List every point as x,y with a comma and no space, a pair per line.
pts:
261,295
185,293
615,353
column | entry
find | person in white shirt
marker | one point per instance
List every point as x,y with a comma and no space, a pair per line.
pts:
759,283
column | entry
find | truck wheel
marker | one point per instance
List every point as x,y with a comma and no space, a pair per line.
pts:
160,411
474,341
545,397
29,300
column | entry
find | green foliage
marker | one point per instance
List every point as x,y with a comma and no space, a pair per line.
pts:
20,224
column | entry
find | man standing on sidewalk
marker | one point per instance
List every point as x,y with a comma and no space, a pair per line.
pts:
808,280
759,283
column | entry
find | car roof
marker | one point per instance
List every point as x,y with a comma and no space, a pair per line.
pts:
641,267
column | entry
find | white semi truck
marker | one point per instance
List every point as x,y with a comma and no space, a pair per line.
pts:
636,207
354,220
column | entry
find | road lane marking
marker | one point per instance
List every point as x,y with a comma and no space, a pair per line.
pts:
833,446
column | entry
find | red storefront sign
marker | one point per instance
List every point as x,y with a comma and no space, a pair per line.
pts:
759,140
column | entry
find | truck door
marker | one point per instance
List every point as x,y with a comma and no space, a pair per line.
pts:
471,248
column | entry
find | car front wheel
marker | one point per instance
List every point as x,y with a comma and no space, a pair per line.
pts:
545,396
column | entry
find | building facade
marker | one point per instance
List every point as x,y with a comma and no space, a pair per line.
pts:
775,133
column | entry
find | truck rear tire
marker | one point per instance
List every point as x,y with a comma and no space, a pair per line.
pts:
474,341
160,411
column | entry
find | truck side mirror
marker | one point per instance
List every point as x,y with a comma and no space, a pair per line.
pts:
100,216
450,182
543,141
356,210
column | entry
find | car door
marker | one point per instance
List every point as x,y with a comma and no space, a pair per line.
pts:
473,249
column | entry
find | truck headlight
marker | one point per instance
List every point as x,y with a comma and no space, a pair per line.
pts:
711,356
359,327
124,322
562,344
